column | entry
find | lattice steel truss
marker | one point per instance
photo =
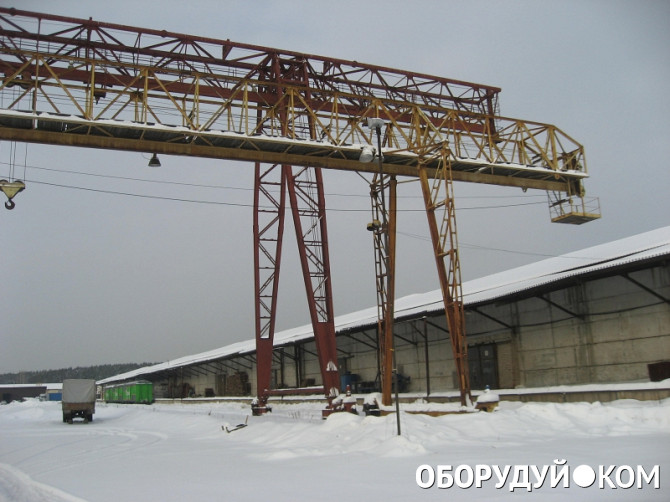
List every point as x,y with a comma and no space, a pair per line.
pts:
88,83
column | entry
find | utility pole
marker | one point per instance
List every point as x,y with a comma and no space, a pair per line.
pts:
385,244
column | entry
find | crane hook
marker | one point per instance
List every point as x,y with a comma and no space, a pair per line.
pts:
10,189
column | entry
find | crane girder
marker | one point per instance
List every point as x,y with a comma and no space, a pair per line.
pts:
87,83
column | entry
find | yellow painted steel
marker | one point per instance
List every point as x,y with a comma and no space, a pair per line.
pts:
481,148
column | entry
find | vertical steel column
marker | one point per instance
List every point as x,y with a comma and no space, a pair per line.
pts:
383,227
384,237
426,356
269,208
443,235
389,315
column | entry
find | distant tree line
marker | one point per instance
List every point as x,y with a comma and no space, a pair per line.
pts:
54,376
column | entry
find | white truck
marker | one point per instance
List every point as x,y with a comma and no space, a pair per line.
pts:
78,399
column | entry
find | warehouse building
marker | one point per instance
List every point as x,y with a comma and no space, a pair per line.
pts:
600,315
19,392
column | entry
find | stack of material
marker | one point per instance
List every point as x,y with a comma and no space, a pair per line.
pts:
238,384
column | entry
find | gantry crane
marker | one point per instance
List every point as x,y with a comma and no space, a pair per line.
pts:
85,83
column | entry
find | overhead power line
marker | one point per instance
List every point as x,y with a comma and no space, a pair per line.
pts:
234,204
228,187
221,203
144,196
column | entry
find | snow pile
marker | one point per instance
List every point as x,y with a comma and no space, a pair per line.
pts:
171,452
488,397
15,486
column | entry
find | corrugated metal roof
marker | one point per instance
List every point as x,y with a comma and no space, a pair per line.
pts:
610,255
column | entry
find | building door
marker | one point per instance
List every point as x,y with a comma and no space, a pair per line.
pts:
483,366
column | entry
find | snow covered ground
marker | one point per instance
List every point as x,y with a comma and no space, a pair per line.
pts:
176,452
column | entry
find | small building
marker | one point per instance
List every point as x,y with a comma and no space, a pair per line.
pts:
54,392
600,315
19,392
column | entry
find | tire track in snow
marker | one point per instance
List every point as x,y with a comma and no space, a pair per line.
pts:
132,441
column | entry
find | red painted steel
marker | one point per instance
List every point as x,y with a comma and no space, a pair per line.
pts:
269,210
309,216
305,190
231,64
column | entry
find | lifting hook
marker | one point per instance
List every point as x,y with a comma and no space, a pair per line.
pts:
10,189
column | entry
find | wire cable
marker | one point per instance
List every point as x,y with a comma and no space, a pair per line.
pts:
199,201
226,187
143,196
250,205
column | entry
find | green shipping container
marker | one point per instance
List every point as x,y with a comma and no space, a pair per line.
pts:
141,391
144,392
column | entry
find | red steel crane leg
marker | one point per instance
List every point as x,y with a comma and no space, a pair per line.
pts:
269,209
304,186
305,190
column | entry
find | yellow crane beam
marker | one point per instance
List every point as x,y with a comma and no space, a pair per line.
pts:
91,84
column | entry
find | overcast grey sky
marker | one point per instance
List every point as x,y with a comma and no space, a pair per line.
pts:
92,278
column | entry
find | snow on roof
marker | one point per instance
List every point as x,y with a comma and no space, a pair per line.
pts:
612,254
637,248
